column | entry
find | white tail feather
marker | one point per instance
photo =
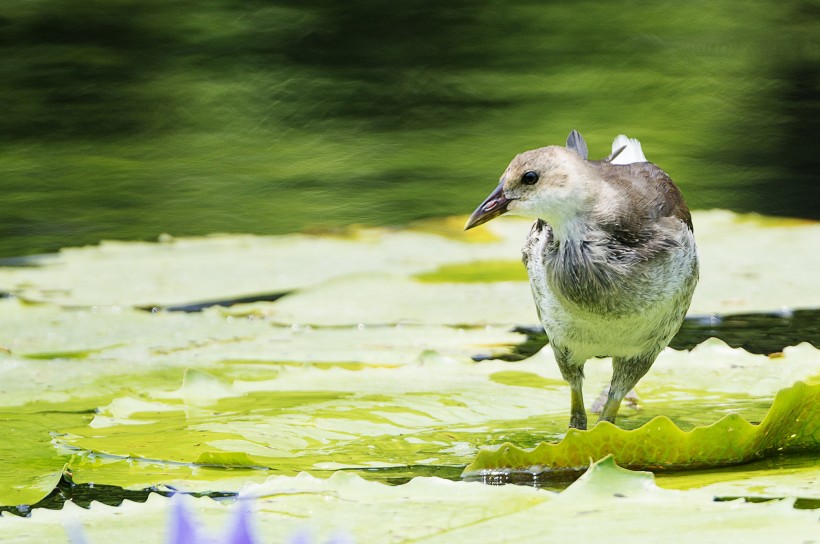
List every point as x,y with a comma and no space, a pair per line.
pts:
632,153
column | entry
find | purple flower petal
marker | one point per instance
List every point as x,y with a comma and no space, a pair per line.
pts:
182,526
340,539
302,537
239,529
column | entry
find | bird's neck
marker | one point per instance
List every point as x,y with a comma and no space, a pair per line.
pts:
568,229
578,219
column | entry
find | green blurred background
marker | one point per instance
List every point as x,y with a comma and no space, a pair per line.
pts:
126,119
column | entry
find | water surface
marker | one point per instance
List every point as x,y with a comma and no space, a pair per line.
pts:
124,120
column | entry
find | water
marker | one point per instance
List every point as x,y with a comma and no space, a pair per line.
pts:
84,494
124,120
559,480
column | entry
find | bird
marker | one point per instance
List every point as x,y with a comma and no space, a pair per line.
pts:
611,258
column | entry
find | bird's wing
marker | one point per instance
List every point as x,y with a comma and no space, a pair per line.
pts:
660,196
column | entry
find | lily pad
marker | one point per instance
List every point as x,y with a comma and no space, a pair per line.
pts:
746,266
28,482
476,271
794,475
792,424
374,299
383,420
607,500
365,365
179,271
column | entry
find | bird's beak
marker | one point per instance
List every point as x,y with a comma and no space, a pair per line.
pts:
493,206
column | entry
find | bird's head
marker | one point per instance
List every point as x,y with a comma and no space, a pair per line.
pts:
549,183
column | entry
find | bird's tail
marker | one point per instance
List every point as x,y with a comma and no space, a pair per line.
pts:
626,151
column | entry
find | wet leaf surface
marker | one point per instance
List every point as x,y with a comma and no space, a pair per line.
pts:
792,425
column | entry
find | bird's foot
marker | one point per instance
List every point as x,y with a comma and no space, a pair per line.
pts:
631,400
578,421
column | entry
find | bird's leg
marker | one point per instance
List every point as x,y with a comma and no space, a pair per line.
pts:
573,372
578,414
632,400
625,374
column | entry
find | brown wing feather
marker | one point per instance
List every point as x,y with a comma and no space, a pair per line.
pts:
653,192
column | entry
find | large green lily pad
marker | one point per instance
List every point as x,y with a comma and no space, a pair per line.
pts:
792,424
436,412
293,400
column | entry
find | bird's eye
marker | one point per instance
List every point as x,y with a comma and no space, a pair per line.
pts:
529,178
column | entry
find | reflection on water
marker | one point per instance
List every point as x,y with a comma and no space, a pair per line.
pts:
84,494
558,480
129,119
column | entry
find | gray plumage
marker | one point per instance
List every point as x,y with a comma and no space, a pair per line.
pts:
611,258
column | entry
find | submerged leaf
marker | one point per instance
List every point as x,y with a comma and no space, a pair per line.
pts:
477,271
224,459
793,475
792,424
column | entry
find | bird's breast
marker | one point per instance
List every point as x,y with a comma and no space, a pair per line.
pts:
601,292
